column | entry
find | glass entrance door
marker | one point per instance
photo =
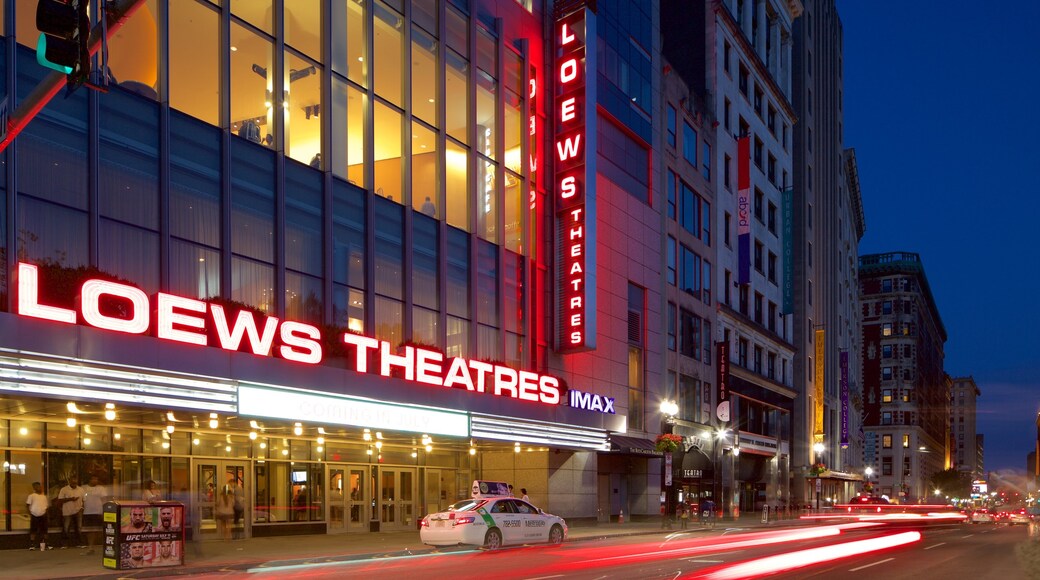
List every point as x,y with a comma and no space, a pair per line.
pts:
348,498
397,498
213,477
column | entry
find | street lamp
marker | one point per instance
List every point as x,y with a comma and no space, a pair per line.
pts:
669,409
715,435
817,451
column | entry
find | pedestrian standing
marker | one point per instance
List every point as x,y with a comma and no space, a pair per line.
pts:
37,503
684,516
94,497
71,499
523,490
151,492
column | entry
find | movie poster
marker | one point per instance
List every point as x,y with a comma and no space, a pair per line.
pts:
143,535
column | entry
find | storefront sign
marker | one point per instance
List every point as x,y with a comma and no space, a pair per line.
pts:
818,379
574,154
590,402
337,410
722,380
191,321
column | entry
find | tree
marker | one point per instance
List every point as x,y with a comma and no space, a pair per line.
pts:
952,483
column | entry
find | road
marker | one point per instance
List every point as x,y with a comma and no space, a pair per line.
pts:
957,551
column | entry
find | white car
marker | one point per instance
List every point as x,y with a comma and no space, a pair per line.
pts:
982,516
492,522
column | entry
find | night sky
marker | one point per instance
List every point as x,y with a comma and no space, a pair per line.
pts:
942,107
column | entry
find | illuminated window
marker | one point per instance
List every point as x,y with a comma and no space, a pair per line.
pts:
886,396
886,441
906,440
886,329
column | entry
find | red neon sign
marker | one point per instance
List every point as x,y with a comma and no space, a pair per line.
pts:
573,173
186,320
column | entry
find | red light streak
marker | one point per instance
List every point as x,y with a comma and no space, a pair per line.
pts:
809,557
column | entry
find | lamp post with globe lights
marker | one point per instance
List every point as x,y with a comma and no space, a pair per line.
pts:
669,409
817,452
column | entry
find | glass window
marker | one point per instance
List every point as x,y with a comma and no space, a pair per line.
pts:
252,201
389,249
303,300
387,154
487,283
259,13
457,302
424,76
129,252
424,327
348,39
671,126
458,338
348,133
689,144
513,271
456,92
303,227
514,201
195,59
252,61
456,170
303,27
487,202
194,270
348,309
51,232
487,53
425,251
488,346
348,235
27,434
389,322
425,171
457,31
389,46
133,52
194,181
252,283
302,109
487,88
514,130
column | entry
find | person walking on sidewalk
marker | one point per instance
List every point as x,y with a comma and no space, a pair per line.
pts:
94,497
37,503
71,499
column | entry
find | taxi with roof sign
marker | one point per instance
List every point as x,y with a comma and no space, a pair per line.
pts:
491,518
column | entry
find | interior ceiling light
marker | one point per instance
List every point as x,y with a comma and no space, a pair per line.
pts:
297,429
429,448
70,421
73,408
252,435
170,428
213,422
110,412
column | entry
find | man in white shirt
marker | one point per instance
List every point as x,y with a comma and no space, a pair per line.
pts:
71,499
94,498
38,503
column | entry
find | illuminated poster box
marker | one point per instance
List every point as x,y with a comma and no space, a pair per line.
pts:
143,535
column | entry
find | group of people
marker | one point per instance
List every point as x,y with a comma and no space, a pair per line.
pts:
79,505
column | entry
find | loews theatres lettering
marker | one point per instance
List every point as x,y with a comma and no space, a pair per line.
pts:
575,195
189,321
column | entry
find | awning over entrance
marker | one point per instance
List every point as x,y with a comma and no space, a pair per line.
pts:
840,475
695,465
633,446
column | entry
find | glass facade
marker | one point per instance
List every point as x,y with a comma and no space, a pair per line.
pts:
213,185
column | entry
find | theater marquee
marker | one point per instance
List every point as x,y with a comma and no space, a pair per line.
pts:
574,154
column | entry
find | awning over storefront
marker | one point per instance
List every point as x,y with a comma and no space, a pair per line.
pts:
633,446
841,475
695,465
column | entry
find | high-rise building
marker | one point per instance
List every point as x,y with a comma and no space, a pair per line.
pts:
906,393
349,255
965,452
828,223
744,75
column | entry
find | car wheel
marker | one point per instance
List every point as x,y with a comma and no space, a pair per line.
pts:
556,535
493,540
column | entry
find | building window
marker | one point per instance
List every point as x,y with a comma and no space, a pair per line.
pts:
759,203
671,125
725,171
706,282
742,348
758,256
725,56
771,366
672,269
906,440
886,373
672,326
771,218
726,218
886,285
689,144
886,396
886,466
758,359
758,308
906,466
636,315
886,351
886,418
691,270
886,441
886,307
772,267
706,161
672,201
886,329
726,114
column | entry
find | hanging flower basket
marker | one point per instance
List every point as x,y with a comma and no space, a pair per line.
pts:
667,442
817,469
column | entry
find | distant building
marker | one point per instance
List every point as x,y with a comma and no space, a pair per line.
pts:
828,223
906,392
965,445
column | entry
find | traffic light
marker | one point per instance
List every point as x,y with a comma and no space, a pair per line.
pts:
65,29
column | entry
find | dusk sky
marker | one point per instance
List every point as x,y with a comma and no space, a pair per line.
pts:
941,106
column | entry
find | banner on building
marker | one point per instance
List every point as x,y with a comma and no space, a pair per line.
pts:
843,361
574,177
744,210
787,206
722,380
818,381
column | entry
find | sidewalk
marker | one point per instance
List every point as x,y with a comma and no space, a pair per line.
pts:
284,550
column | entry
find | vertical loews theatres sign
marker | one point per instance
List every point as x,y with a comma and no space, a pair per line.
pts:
574,156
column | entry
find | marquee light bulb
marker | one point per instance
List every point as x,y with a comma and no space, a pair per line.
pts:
472,451
321,440
213,423
252,435
297,430
71,421
379,444
429,448
195,441
170,429
110,414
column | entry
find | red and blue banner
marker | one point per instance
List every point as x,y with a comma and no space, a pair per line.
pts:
744,210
